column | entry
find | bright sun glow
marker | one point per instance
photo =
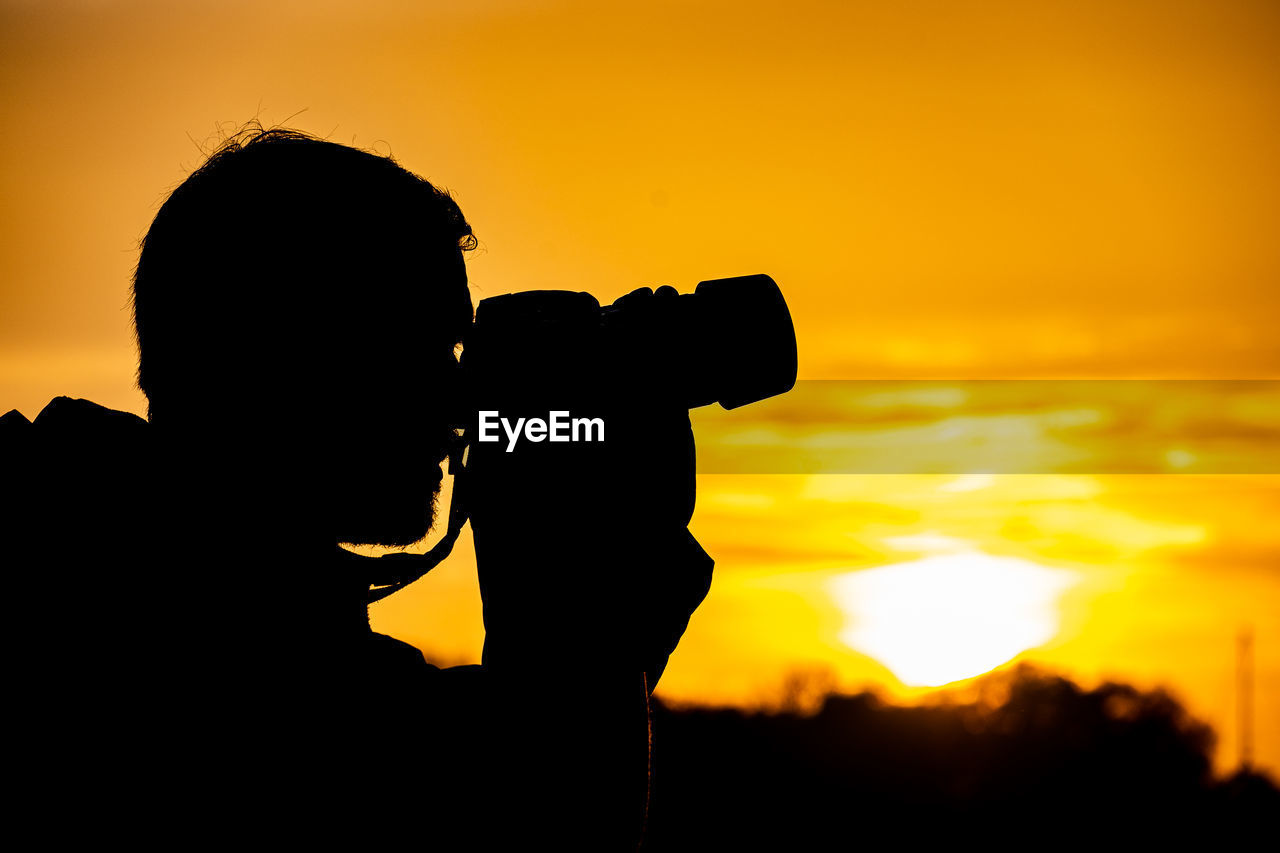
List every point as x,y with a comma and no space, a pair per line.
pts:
950,616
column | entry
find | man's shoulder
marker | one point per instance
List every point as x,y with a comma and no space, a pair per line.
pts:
76,504
397,653
71,448
394,654
72,417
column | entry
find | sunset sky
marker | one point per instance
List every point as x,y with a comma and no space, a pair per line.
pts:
945,191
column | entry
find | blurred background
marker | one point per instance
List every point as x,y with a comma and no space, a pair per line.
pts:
945,191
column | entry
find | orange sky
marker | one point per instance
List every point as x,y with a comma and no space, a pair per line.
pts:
966,190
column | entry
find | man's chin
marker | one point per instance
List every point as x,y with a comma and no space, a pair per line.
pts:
393,536
395,526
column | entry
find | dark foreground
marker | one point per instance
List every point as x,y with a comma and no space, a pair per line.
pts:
1037,759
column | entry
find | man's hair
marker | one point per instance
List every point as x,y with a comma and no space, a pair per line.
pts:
285,260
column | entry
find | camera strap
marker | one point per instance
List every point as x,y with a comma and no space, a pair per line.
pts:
391,573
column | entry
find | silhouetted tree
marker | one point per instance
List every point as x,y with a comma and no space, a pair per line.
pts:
1038,754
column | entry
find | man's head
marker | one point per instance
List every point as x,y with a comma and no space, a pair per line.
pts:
300,302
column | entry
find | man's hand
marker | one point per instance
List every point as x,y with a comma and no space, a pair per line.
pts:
583,548
587,569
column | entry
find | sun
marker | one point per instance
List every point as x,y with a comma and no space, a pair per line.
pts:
950,616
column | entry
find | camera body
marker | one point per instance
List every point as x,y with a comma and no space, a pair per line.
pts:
604,392
731,341
588,511
573,421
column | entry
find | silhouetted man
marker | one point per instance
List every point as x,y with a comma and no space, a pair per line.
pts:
299,306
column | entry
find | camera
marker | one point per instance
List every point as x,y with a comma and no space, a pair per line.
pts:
553,386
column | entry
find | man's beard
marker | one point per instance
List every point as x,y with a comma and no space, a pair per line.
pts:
395,516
